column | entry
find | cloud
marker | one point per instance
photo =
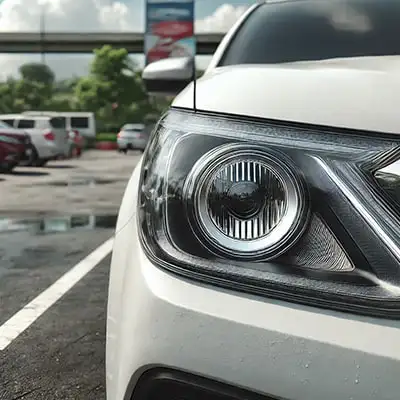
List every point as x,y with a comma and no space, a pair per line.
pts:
221,20
69,15
86,16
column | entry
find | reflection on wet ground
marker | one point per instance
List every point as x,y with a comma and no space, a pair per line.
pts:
57,224
81,182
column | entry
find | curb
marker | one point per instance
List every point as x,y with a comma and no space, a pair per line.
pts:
106,146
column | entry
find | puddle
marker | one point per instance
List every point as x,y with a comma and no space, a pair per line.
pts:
57,224
81,182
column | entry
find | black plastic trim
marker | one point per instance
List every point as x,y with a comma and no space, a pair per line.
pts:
171,87
159,379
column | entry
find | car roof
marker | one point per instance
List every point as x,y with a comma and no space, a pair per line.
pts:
126,126
25,116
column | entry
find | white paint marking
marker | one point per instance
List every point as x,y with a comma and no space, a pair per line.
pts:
20,321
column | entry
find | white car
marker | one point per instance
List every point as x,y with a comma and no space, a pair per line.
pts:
48,134
132,137
257,249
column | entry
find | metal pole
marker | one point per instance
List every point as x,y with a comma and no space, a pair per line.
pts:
42,34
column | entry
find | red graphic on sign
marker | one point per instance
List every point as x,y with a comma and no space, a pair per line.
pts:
176,30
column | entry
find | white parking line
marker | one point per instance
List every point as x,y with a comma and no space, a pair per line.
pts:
20,321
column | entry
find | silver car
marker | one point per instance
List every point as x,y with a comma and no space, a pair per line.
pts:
132,137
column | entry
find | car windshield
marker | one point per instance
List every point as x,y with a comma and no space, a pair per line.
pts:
133,128
310,30
58,122
3,125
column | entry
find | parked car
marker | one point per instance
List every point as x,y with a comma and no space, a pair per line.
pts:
132,137
84,122
48,135
24,140
13,147
258,253
75,144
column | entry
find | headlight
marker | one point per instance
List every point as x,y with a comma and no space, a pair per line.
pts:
245,202
291,212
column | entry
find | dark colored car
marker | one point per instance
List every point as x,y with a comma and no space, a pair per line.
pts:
19,137
12,151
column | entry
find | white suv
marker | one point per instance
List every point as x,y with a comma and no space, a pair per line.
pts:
257,250
48,134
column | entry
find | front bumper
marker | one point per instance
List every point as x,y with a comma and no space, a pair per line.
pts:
132,144
282,350
49,151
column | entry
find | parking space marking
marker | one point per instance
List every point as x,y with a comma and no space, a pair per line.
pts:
20,321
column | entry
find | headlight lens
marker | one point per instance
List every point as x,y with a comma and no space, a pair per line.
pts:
246,203
292,212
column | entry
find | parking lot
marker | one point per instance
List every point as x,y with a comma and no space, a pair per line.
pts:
55,226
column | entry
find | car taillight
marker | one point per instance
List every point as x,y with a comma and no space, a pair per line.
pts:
49,136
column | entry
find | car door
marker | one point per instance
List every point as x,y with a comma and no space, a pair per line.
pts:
37,138
58,126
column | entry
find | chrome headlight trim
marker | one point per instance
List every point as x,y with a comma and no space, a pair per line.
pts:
294,214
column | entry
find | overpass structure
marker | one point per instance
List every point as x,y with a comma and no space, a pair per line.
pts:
57,42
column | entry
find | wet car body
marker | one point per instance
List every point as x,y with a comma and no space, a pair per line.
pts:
212,294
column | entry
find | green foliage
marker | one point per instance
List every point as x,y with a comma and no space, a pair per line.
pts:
37,72
107,137
113,90
32,95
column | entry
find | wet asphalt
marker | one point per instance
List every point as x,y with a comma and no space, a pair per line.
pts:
61,355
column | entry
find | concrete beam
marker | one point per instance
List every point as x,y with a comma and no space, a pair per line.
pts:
77,42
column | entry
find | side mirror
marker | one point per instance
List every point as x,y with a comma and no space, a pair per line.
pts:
169,76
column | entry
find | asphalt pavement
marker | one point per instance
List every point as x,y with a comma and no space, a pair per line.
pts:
61,353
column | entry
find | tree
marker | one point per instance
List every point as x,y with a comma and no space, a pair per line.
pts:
37,72
35,88
7,96
31,95
113,89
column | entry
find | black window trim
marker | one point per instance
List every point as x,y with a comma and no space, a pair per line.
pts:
74,126
25,120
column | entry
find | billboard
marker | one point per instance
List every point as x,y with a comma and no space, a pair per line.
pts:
169,29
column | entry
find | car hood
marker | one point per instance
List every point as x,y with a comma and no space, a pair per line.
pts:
357,93
12,132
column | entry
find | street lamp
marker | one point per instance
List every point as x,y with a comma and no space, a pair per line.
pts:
42,33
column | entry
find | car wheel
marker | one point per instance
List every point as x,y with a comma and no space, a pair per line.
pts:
32,158
6,169
40,162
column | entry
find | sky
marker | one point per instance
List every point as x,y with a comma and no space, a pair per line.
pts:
97,16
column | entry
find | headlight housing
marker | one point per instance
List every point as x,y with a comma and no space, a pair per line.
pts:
246,203
291,212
